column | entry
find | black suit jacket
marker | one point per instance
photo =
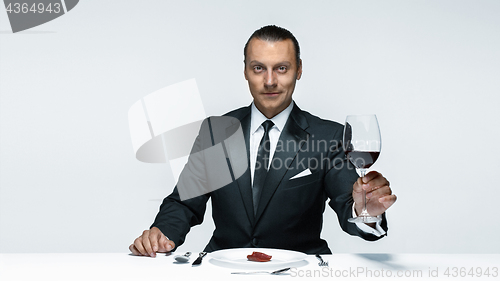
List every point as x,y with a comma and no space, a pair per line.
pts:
290,211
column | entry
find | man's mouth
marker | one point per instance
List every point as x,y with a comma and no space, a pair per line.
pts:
272,94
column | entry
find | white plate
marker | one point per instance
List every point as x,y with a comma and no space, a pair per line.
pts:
237,258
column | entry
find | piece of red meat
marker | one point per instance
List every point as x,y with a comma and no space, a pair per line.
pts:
259,257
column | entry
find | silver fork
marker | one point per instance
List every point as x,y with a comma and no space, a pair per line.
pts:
321,261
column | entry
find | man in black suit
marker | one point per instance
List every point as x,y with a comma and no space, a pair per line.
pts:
280,205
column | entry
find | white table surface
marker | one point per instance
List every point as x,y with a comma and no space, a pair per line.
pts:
122,266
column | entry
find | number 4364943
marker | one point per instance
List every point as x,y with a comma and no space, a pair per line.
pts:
40,8
471,272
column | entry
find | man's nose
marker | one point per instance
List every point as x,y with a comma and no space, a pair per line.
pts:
270,79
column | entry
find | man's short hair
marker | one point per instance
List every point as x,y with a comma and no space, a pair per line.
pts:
273,33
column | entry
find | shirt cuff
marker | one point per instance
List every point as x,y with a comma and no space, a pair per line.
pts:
377,231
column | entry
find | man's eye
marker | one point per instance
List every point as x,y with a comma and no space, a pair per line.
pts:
257,68
282,69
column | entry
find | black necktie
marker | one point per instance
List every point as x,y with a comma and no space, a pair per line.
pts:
261,164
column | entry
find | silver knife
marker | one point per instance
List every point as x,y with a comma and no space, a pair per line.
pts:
200,257
277,272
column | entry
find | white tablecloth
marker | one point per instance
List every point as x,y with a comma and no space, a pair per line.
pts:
122,266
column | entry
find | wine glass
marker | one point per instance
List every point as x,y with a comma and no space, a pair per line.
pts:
362,144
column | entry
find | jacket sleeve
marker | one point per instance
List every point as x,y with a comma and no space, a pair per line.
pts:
177,216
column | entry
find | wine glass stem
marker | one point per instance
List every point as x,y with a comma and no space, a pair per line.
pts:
364,212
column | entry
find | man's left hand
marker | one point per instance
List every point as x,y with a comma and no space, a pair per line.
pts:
379,195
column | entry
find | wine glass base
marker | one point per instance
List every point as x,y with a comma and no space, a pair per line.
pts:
364,219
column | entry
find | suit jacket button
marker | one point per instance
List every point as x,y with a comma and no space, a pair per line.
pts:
255,241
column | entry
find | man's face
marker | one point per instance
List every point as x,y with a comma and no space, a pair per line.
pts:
271,71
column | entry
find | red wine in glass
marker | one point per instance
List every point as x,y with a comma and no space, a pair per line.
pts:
362,159
362,144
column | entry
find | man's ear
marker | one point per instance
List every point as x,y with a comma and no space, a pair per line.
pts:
245,72
299,70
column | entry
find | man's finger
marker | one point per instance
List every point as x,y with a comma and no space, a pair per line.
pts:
387,201
162,243
154,238
370,176
171,245
138,246
358,186
375,183
134,250
166,245
379,192
147,244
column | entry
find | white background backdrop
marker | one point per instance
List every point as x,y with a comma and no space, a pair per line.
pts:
69,181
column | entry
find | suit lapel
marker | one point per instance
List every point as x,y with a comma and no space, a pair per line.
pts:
291,139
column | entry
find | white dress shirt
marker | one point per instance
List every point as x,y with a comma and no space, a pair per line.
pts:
256,134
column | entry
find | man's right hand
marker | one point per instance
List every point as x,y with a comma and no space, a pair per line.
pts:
150,242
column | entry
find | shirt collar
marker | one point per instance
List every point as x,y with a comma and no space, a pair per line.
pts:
279,120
